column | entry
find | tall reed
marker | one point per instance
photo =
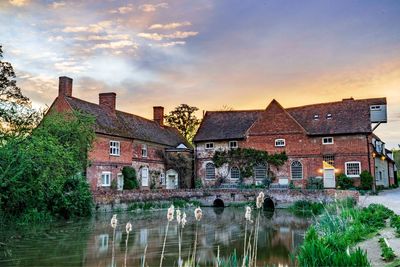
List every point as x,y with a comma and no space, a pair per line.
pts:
170,217
114,223
198,214
128,229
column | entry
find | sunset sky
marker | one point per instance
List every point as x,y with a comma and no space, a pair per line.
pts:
208,53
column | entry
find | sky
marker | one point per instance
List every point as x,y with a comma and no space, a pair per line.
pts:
212,54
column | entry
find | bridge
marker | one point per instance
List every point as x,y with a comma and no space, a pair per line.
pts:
274,198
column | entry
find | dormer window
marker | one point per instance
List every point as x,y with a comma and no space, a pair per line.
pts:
233,144
209,146
114,148
327,140
329,116
280,142
316,117
144,151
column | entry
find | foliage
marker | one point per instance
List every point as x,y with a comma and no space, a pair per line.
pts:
198,183
130,179
246,159
366,180
304,207
395,223
387,252
41,171
151,205
183,119
344,182
315,183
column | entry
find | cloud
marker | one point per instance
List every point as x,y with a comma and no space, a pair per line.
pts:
107,37
123,9
55,38
169,44
18,2
69,67
116,45
94,28
159,37
56,5
152,7
169,26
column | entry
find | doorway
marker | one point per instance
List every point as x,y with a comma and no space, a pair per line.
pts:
172,179
329,178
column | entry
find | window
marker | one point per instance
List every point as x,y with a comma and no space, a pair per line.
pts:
145,176
144,151
375,108
233,144
329,116
296,170
260,172
280,142
209,145
114,148
330,159
210,171
105,178
235,173
316,117
353,168
103,242
327,140
162,178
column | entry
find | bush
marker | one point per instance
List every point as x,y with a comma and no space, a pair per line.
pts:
304,207
198,183
344,182
130,180
366,180
315,183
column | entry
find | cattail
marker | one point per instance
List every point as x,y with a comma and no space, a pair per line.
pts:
114,221
170,213
260,200
247,215
128,227
178,216
198,214
183,221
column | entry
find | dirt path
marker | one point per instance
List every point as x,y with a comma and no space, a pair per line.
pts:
388,198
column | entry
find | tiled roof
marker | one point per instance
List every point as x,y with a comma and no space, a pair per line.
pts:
346,117
128,125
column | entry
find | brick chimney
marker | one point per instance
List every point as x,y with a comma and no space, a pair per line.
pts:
158,115
107,101
64,86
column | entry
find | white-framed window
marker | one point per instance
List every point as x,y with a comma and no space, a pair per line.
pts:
375,108
280,142
210,171
316,117
260,172
145,176
233,144
162,178
327,140
103,242
115,148
329,116
235,173
353,168
296,170
120,181
209,145
105,178
144,151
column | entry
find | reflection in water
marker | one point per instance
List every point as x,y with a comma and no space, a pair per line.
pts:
88,243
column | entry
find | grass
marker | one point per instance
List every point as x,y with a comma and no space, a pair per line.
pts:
395,223
387,251
154,205
306,208
329,241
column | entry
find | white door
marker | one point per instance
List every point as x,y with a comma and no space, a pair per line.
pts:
120,181
329,178
145,176
171,181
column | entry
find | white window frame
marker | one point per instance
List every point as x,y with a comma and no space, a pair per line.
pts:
109,179
291,168
231,146
327,143
115,148
144,151
280,140
122,176
260,169
208,163
162,179
209,146
352,162
234,167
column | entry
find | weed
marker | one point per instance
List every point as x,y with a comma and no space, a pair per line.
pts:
387,251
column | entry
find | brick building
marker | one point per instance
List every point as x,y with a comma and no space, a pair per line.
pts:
320,140
124,139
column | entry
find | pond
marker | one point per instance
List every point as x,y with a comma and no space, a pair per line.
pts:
89,242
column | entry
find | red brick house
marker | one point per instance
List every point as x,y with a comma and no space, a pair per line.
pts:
320,140
124,139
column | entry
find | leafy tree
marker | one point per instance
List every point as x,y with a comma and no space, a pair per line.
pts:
130,180
184,119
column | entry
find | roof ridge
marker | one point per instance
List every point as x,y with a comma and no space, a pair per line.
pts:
335,102
226,111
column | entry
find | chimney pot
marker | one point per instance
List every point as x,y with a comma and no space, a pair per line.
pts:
158,115
64,86
108,101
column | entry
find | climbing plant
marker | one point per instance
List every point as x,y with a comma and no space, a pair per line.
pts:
246,159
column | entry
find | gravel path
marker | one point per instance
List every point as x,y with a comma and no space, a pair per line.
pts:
388,198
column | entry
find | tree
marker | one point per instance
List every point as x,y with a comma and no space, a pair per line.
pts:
16,113
184,119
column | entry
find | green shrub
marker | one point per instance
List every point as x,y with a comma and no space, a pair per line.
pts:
387,252
366,180
130,180
395,223
314,183
304,207
344,182
198,183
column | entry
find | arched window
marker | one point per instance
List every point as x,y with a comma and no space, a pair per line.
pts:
210,171
235,173
260,172
296,170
